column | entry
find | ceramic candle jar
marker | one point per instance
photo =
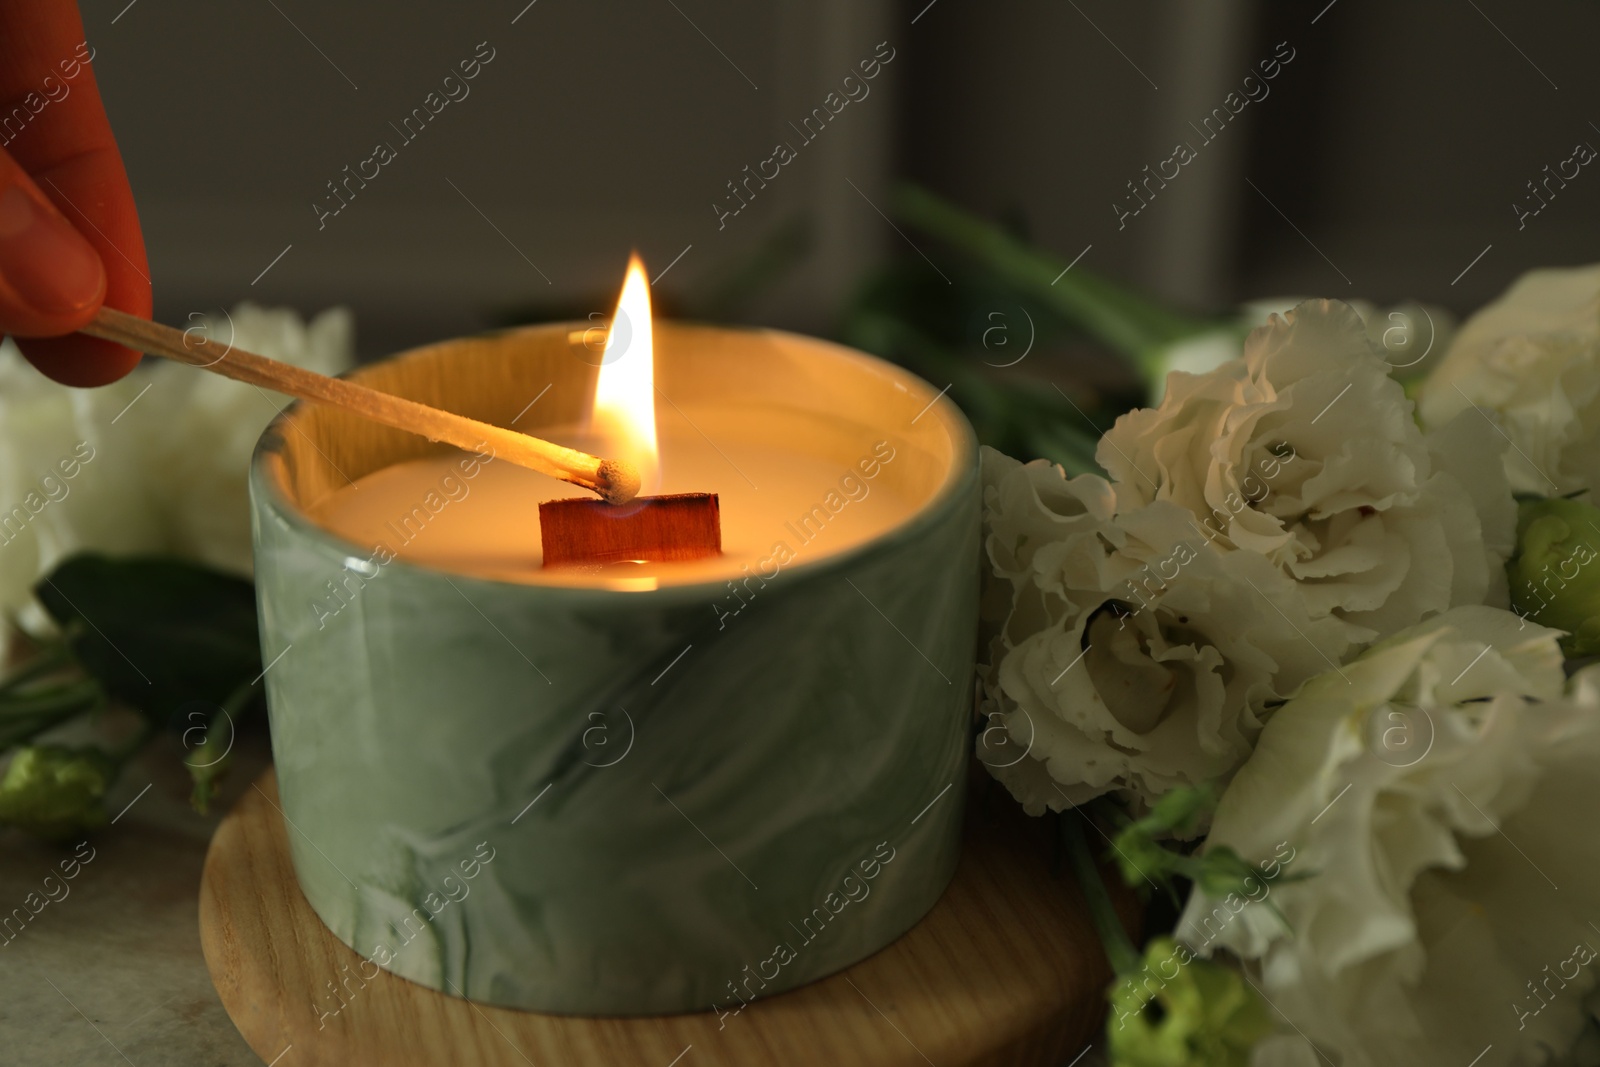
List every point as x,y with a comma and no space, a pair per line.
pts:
620,792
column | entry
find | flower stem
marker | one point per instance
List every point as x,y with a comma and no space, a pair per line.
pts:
1128,322
1124,957
206,770
24,717
51,657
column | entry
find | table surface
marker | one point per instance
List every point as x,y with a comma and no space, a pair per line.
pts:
112,974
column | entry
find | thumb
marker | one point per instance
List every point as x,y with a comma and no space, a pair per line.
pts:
51,278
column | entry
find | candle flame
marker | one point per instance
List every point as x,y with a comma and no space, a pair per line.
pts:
624,397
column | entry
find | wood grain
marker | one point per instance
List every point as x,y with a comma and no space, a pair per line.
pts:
678,526
1006,970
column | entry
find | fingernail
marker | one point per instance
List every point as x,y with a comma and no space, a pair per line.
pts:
43,259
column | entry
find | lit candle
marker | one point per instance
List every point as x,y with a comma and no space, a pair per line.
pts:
700,781
791,488
779,505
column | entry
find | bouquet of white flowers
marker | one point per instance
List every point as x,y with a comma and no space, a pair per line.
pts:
1309,652
124,564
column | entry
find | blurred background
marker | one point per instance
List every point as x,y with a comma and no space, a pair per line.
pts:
1386,155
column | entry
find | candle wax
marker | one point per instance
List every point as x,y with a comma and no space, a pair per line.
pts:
781,505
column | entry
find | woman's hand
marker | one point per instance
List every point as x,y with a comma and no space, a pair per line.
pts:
69,233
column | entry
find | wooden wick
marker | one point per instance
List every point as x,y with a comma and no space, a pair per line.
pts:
616,482
651,529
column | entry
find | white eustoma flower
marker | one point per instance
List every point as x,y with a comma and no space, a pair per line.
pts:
199,429
1434,792
157,462
71,477
1200,353
1305,451
1410,336
1531,361
1134,656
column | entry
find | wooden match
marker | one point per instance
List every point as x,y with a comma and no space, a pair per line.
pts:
652,529
614,480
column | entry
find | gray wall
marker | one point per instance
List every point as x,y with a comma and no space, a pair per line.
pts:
1396,140
598,126
1393,145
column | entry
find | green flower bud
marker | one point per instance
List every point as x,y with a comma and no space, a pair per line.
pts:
1140,857
1139,847
1179,809
1555,580
55,791
1221,871
1182,1011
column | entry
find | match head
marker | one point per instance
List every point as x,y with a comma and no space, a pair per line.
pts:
618,482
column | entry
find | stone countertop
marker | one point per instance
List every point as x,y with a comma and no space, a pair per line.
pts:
111,973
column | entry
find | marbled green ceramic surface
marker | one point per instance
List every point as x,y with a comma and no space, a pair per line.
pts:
603,802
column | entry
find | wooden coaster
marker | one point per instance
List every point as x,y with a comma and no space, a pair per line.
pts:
1006,970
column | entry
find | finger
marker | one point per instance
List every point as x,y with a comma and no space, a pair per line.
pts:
51,279
54,126
96,195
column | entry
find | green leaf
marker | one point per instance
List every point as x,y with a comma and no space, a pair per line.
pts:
1021,417
156,632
